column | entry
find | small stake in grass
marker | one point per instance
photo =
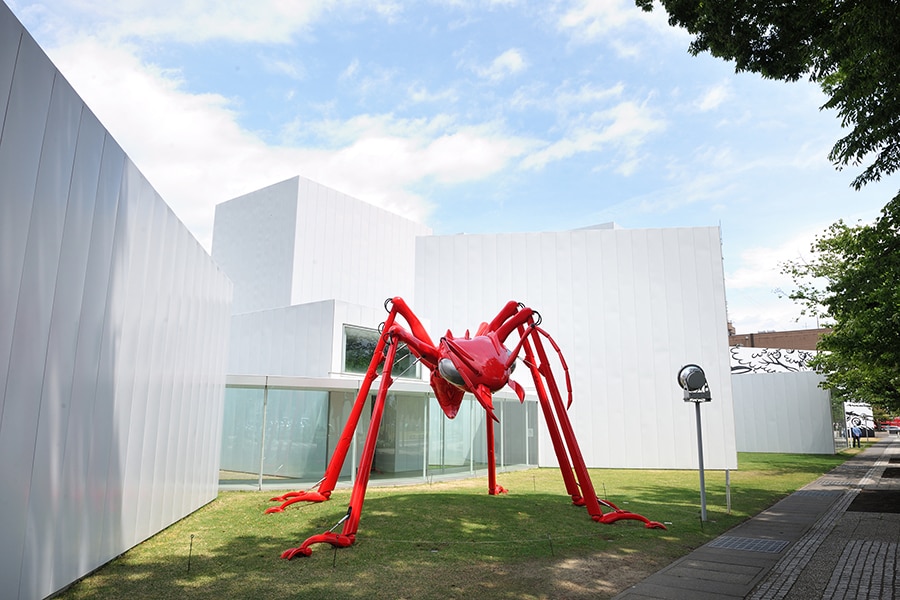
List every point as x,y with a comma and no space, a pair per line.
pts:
550,540
190,552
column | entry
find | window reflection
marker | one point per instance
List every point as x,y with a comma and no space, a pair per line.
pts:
359,346
285,436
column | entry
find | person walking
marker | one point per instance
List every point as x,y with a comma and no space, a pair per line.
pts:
856,433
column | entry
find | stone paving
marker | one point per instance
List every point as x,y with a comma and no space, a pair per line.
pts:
835,538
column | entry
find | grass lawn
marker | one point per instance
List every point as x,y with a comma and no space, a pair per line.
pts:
450,539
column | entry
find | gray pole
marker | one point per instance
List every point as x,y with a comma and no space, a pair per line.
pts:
700,454
262,440
727,492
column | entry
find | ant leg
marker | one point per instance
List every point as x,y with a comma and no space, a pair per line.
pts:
358,496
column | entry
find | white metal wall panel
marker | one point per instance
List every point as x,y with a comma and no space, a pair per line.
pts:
642,327
20,151
90,220
350,250
10,36
159,406
128,376
195,480
628,309
157,444
782,412
660,283
113,373
290,341
298,242
613,329
94,376
253,242
64,236
113,330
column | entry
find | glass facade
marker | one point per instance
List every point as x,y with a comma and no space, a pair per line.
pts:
284,432
359,346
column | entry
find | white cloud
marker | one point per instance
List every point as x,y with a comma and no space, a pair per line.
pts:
586,95
566,99
350,71
195,154
291,69
509,63
188,145
595,21
191,21
760,266
418,93
757,288
624,126
713,97
752,311
629,123
591,19
196,21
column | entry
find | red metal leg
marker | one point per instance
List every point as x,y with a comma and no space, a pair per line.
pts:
358,495
559,447
480,365
583,480
493,488
559,414
336,464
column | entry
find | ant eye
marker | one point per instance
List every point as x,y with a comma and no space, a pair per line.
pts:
449,372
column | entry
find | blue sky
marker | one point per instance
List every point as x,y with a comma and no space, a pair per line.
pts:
468,116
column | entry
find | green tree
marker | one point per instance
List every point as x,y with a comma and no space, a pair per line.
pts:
851,279
851,48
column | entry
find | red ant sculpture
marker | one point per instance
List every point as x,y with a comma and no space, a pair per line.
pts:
480,365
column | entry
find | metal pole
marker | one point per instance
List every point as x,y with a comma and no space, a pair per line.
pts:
262,442
425,440
472,438
502,445
728,491
527,440
700,454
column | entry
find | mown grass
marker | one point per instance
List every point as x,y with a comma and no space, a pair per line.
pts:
449,539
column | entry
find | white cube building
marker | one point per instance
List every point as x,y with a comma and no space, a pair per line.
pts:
778,402
628,309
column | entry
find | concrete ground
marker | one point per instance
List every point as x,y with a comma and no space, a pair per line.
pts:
836,538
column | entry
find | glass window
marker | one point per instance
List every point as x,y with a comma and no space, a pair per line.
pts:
359,347
450,441
400,447
288,434
296,434
242,433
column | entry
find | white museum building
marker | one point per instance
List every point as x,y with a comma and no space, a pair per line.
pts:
312,268
136,370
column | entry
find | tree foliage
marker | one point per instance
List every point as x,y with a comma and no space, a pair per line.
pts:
851,48
852,279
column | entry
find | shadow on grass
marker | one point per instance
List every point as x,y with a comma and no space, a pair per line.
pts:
447,541
419,545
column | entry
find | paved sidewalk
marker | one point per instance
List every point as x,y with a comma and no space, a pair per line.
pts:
835,538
